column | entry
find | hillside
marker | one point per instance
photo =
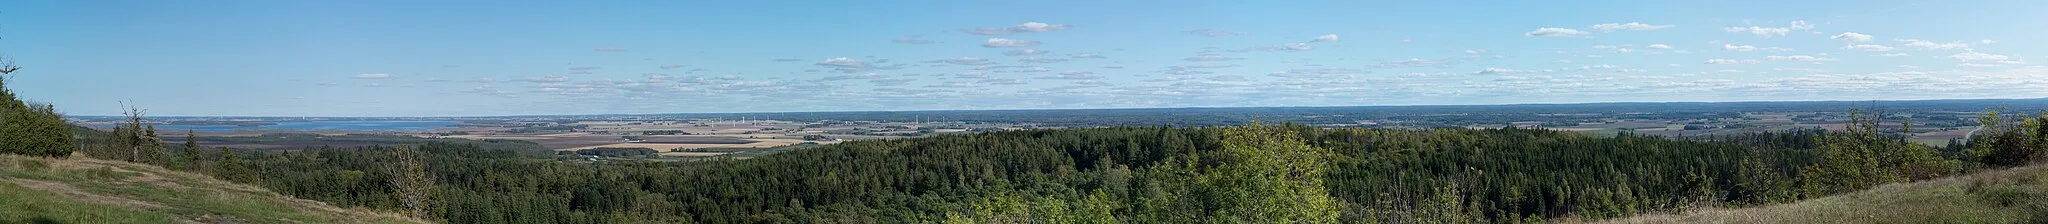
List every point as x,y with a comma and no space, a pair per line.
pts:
81,190
2002,196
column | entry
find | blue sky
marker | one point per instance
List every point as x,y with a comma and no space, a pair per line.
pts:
451,58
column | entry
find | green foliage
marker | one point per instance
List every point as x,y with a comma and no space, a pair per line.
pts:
188,157
34,129
1267,175
2006,141
618,152
232,169
1861,157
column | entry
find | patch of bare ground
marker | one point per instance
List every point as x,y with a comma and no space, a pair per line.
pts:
82,195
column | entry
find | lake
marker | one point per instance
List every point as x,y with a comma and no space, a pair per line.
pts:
320,126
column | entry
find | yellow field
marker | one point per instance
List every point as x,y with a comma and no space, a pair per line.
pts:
763,143
694,154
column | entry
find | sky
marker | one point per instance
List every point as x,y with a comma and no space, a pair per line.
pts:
480,58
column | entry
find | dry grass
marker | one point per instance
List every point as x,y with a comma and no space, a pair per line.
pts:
100,191
2017,195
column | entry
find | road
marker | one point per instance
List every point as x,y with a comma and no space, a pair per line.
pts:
1966,137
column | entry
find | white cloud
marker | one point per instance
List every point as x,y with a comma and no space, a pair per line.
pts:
1975,65
1001,82
1003,43
1211,57
850,65
1974,56
1595,67
1325,38
1930,45
1660,46
1295,47
1023,52
963,61
1317,73
1895,55
1038,27
1765,32
1852,36
1733,47
891,81
1027,27
1718,61
1075,75
1867,47
547,79
1797,58
1229,78
1745,48
1556,32
1492,71
1768,32
849,77
374,76
1611,27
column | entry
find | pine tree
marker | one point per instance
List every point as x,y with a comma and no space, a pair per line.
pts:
188,157
232,169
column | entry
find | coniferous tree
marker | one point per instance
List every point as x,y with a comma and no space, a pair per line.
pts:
232,168
28,128
188,156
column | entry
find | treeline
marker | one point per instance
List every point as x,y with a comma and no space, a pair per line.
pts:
1254,173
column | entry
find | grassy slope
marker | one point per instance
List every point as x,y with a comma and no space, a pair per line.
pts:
2017,195
79,190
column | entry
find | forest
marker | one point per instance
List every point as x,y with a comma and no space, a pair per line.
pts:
1257,173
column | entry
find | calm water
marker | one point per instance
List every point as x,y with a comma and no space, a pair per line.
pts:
322,126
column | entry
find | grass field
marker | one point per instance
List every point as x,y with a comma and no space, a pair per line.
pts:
77,190
2018,195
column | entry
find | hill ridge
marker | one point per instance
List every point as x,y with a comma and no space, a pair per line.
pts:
1993,196
84,190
